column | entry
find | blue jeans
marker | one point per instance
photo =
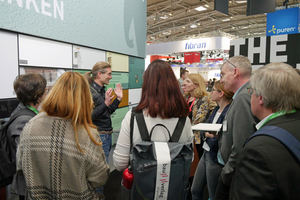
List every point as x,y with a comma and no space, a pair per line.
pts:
207,172
106,144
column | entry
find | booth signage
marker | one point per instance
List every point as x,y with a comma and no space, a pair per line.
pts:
264,50
203,44
283,22
81,23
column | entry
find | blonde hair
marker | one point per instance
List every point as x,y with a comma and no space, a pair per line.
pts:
98,67
70,98
198,80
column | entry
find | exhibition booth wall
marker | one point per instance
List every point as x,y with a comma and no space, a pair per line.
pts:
57,36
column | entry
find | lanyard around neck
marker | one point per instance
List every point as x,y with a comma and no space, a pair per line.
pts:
277,114
190,109
33,109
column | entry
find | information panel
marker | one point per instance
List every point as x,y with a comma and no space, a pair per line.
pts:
117,117
50,74
118,62
86,58
124,101
136,70
8,63
118,77
134,96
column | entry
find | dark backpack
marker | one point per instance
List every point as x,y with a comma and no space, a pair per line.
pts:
8,151
144,163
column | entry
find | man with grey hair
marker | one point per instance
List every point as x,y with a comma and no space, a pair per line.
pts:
239,122
266,169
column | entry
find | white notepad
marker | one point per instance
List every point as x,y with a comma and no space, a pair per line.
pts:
207,127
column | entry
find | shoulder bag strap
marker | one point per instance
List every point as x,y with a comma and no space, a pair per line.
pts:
15,116
131,127
142,126
178,129
283,136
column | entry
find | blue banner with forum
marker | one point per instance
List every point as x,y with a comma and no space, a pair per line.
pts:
283,22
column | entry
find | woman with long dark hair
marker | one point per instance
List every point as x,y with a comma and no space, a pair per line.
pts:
161,102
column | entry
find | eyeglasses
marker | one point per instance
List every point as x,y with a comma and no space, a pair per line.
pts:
226,60
250,90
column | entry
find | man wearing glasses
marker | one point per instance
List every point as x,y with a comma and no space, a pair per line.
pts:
266,169
239,121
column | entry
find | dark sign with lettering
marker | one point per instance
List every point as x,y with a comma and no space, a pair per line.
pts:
264,50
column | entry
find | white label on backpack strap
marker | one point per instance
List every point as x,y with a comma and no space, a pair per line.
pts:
163,170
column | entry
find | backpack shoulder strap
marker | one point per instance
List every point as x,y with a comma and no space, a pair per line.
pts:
13,117
142,126
283,136
18,114
131,127
178,129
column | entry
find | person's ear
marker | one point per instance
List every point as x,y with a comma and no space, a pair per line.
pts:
99,74
221,94
236,72
261,101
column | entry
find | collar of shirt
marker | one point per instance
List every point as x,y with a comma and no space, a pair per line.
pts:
238,90
262,122
98,87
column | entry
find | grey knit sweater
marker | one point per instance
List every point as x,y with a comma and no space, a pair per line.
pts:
53,166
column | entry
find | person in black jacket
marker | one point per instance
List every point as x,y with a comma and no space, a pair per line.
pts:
266,169
103,104
208,169
30,90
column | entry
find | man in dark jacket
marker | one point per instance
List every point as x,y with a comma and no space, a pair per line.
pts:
266,169
238,122
103,104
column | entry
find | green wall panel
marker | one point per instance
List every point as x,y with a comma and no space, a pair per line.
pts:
136,70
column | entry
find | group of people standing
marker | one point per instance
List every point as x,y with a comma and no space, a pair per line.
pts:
63,152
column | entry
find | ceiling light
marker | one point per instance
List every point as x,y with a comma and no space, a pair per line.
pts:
200,8
183,27
241,1
225,20
231,17
207,6
171,14
193,26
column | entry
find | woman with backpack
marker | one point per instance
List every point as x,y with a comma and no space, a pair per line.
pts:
161,103
30,90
